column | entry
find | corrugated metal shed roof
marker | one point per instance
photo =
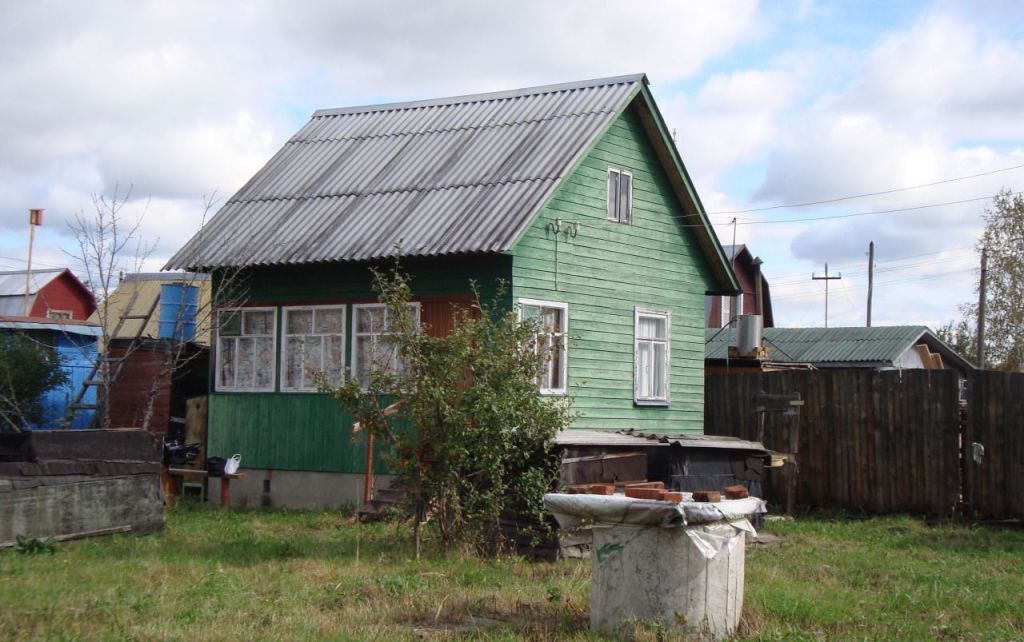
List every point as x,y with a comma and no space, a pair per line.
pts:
883,344
453,175
587,437
13,283
630,438
85,328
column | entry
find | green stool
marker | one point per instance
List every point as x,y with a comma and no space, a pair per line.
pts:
194,489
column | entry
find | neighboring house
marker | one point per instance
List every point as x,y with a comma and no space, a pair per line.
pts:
75,345
53,294
136,294
879,347
572,194
720,309
158,374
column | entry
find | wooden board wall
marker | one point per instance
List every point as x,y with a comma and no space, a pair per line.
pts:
607,270
995,419
879,442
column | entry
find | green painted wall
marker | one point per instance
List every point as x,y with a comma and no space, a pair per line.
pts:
607,270
308,431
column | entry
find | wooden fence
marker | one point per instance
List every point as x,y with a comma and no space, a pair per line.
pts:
880,442
994,478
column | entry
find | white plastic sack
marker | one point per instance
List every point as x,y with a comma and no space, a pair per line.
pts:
231,465
712,539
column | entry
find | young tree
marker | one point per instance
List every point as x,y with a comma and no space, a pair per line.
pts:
472,441
109,244
27,370
1003,241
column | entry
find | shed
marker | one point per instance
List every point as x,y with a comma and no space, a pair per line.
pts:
879,347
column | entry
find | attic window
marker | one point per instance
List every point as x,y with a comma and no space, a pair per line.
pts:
58,314
620,195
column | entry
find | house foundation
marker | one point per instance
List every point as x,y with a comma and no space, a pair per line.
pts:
296,489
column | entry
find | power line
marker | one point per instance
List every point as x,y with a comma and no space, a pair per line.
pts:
856,196
891,268
781,279
802,295
14,258
895,210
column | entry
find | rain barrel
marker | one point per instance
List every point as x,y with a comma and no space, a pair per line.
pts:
178,305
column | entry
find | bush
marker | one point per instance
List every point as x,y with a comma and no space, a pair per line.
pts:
27,370
472,441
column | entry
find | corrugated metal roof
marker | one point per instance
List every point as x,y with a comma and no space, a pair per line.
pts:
587,437
597,438
13,283
452,175
67,326
167,277
883,344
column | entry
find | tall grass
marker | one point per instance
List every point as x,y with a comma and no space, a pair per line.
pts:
276,575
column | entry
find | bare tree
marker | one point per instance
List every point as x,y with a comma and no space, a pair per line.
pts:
110,244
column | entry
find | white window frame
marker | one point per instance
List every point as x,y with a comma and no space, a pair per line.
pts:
667,342
564,334
612,212
273,334
52,313
356,307
285,310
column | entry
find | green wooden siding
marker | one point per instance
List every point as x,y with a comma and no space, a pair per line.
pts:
308,431
608,270
286,432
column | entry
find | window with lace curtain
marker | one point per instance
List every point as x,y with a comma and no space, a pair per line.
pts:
371,344
246,342
313,341
651,357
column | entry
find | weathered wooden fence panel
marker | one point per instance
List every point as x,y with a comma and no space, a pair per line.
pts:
995,420
881,442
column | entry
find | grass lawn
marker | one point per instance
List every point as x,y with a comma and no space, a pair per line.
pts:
267,575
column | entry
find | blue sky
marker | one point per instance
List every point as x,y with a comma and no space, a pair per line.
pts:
772,104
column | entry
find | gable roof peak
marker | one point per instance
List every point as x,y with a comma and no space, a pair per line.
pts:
484,96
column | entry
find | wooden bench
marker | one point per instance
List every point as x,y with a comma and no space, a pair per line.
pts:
172,478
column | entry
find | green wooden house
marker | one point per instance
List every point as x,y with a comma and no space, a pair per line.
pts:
574,194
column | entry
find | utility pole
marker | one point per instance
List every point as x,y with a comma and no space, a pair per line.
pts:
826,279
35,217
981,307
871,276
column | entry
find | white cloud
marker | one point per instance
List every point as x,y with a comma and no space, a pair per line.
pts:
181,99
732,118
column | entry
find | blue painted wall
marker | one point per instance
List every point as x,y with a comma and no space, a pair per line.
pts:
77,355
